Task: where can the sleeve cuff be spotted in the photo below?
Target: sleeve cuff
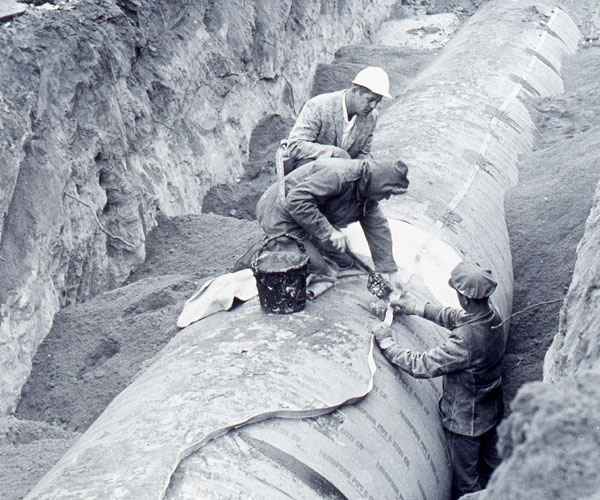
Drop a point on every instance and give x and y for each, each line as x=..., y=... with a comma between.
x=386, y=343
x=420, y=308
x=390, y=267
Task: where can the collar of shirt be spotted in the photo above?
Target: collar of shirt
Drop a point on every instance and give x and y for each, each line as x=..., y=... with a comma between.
x=348, y=124
x=347, y=120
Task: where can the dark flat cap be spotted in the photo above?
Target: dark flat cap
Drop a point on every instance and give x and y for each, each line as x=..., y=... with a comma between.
x=472, y=281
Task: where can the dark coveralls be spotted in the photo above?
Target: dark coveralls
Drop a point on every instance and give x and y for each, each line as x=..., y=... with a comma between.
x=328, y=193
x=472, y=404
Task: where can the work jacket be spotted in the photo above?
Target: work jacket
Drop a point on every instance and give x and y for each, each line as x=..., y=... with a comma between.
x=471, y=363
x=320, y=126
x=324, y=194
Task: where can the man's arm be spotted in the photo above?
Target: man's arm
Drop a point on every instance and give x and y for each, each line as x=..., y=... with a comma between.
x=452, y=356
x=448, y=317
x=379, y=237
x=303, y=136
x=304, y=199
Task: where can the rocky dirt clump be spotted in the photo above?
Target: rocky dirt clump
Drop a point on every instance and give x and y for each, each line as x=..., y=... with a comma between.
x=27, y=448
x=551, y=442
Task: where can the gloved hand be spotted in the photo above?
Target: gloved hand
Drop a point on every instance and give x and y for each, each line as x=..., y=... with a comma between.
x=383, y=336
x=338, y=240
x=408, y=304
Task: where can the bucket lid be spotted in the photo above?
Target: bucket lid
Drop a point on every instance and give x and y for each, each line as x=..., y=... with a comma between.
x=281, y=261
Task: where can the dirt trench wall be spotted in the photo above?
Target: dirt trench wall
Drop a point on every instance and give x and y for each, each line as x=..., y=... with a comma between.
x=551, y=442
x=112, y=111
x=576, y=346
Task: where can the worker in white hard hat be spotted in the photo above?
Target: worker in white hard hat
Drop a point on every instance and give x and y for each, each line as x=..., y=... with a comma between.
x=338, y=124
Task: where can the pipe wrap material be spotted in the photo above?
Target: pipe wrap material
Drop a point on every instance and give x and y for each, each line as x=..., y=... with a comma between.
x=177, y=431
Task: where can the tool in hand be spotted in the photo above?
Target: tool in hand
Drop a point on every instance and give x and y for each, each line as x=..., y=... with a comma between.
x=376, y=283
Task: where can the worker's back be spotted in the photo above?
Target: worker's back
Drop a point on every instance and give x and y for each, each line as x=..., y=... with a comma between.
x=473, y=398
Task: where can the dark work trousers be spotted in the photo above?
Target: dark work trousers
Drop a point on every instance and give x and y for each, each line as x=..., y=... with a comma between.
x=473, y=460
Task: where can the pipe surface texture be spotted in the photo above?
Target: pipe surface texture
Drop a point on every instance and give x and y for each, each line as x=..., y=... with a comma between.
x=176, y=432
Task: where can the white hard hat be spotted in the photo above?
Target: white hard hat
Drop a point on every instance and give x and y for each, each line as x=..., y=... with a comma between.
x=375, y=79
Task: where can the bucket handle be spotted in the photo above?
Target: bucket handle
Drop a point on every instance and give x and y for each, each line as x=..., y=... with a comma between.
x=295, y=239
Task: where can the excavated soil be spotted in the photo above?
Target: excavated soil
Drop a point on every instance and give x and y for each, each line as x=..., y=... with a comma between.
x=546, y=212
x=95, y=349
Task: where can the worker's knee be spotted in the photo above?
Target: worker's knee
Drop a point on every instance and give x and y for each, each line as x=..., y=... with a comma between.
x=318, y=263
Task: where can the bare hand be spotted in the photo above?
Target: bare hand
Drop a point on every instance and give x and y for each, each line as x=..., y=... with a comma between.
x=338, y=240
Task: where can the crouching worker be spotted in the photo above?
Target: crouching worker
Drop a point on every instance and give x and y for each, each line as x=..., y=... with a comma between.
x=326, y=195
x=470, y=360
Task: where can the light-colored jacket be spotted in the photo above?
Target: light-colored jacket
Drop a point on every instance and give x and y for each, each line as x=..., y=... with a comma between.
x=319, y=132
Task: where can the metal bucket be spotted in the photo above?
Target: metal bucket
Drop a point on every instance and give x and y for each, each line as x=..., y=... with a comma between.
x=281, y=277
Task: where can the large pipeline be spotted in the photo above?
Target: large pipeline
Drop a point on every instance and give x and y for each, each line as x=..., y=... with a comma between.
x=176, y=432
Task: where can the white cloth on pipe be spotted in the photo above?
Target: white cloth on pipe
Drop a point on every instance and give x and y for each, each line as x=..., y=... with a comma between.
x=219, y=294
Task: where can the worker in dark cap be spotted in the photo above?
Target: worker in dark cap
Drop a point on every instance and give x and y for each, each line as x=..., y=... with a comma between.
x=326, y=195
x=470, y=360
